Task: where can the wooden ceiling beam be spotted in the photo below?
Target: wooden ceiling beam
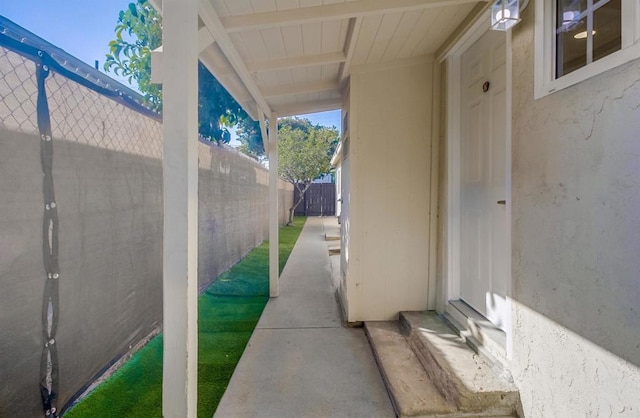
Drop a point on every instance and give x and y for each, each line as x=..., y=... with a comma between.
x=289, y=90
x=295, y=62
x=308, y=107
x=350, y=46
x=215, y=26
x=205, y=39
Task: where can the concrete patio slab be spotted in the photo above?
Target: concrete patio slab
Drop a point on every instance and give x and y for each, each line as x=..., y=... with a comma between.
x=300, y=361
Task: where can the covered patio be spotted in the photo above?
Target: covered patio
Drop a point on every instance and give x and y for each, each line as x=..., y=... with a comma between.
x=277, y=58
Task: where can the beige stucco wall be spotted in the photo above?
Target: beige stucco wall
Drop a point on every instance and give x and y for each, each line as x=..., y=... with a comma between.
x=576, y=241
x=389, y=177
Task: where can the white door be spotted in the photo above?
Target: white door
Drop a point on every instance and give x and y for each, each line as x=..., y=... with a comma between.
x=484, y=250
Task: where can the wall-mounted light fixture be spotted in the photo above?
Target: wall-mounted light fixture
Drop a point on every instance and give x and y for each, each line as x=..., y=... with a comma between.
x=505, y=14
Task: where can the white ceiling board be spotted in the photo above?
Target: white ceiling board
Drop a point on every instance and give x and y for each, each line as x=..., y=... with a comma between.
x=254, y=44
x=274, y=43
x=296, y=58
x=241, y=47
x=287, y=4
x=299, y=75
x=442, y=27
x=267, y=79
x=263, y=6
x=425, y=20
x=293, y=40
x=368, y=32
x=336, y=11
x=312, y=38
x=310, y=3
x=220, y=7
x=406, y=27
x=238, y=7
x=314, y=74
x=330, y=71
x=331, y=32
x=284, y=77
x=383, y=37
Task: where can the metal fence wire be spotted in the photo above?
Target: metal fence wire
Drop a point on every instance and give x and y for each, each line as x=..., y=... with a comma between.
x=81, y=221
x=44, y=98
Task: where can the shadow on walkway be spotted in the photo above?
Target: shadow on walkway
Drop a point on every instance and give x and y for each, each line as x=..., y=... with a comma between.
x=300, y=361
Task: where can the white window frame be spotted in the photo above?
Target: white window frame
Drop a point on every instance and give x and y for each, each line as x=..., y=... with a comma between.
x=545, y=47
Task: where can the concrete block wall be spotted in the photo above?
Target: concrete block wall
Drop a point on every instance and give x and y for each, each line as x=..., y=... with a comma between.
x=107, y=171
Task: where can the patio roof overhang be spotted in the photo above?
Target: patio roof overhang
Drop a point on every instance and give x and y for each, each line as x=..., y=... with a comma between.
x=276, y=58
x=295, y=56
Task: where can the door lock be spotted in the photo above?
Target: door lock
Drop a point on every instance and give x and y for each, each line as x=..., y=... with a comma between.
x=501, y=202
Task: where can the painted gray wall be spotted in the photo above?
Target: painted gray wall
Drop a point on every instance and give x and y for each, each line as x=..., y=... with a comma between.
x=108, y=182
x=576, y=241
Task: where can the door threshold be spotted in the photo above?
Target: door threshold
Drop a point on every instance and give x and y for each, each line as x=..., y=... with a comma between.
x=480, y=334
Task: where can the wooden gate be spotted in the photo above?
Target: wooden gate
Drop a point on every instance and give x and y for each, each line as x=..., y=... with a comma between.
x=319, y=200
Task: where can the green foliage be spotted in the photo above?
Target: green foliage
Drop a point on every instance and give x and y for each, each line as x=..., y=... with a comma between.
x=217, y=110
x=305, y=154
x=304, y=150
x=250, y=137
x=228, y=312
x=138, y=32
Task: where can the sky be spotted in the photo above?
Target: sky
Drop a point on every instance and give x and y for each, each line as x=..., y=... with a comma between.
x=84, y=28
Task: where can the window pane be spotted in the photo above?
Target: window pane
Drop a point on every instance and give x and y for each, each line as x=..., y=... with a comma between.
x=572, y=39
x=571, y=53
x=607, y=23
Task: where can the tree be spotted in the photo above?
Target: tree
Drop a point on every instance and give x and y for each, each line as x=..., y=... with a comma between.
x=138, y=32
x=305, y=154
x=131, y=56
x=250, y=136
x=217, y=110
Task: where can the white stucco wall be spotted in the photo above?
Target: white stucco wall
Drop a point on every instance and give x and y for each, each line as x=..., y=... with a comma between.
x=389, y=193
x=576, y=241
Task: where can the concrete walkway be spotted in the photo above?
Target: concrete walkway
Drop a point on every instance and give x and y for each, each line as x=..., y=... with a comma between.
x=300, y=361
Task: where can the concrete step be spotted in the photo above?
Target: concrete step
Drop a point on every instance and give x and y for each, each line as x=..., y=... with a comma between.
x=462, y=377
x=411, y=391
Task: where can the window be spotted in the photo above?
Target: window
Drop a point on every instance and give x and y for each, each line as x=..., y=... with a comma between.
x=577, y=39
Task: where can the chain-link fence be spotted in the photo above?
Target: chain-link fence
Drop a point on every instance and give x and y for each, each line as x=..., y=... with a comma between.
x=81, y=223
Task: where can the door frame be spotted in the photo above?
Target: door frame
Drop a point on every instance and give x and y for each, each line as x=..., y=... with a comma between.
x=452, y=262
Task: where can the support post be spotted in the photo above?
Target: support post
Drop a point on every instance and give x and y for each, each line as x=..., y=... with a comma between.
x=274, y=269
x=180, y=172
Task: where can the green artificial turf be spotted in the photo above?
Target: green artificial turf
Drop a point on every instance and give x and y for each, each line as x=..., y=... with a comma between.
x=228, y=311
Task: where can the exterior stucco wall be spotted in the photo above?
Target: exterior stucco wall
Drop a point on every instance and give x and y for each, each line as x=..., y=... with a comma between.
x=389, y=177
x=575, y=241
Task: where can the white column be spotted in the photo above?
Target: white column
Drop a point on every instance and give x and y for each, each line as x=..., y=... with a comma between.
x=274, y=289
x=180, y=171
